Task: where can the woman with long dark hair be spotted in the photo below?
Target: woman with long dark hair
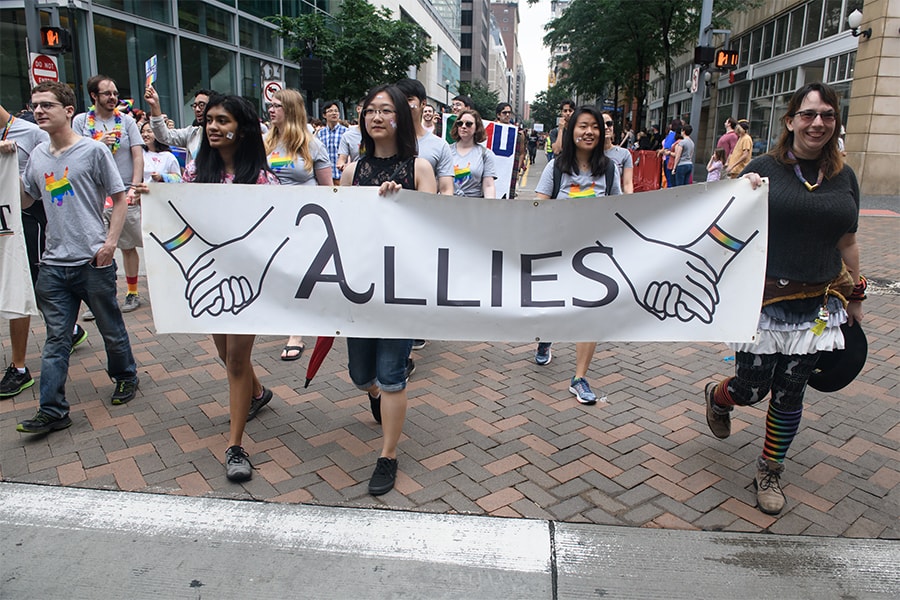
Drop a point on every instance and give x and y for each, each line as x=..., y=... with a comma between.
x=813, y=285
x=159, y=162
x=232, y=151
x=473, y=164
x=296, y=157
x=379, y=366
x=580, y=170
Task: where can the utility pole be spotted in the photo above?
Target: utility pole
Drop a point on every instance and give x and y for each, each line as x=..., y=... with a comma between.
x=705, y=40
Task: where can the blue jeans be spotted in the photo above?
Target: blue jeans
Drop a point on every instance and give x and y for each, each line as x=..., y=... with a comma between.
x=683, y=174
x=59, y=292
x=378, y=361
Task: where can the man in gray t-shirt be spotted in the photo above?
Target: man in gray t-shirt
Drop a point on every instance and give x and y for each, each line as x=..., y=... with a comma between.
x=72, y=176
x=106, y=122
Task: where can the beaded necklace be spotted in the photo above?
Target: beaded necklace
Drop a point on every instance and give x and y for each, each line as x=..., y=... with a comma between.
x=811, y=187
x=117, y=128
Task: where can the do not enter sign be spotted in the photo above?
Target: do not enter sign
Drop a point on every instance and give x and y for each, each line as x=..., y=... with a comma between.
x=43, y=68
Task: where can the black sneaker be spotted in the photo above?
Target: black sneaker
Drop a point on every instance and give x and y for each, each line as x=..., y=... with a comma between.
x=43, y=423
x=410, y=369
x=419, y=344
x=257, y=403
x=375, y=405
x=237, y=464
x=125, y=391
x=384, y=476
x=78, y=337
x=14, y=382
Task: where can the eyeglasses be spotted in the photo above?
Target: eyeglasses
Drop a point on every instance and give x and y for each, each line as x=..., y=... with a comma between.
x=116, y=94
x=505, y=112
x=384, y=112
x=45, y=106
x=810, y=115
x=609, y=123
x=198, y=104
x=271, y=105
x=465, y=123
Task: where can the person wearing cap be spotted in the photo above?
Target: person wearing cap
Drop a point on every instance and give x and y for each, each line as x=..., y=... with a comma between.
x=813, y=287
x=743, y=150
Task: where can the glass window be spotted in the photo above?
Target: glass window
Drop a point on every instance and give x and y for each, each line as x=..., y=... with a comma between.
x=767, y=38
x=258, y=37
x=832, y=18
x=760, y=116
x=851, y=6
x=813, y=22
x=251, y=81
x=205, y=66
x=158, y=11
x=755, y=42
x=742, y=45
x=781, y=27
x=14, y=88
x=126, y=47
x=261, y=8
x=795, y=37
x=466, y=17
x=205, y=19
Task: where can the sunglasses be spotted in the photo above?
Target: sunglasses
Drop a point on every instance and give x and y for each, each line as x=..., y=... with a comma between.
x=465, y=123
x=608, y=123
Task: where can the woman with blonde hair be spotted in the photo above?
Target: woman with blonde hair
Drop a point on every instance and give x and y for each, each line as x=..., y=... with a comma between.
x=297, y=158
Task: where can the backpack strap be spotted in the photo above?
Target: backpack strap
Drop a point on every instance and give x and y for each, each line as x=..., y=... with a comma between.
x=610, y=176
x=557, y=179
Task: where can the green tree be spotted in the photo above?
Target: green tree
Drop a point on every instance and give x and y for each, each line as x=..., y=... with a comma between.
x=361, y=47
x=545, y=108
x=484, y=98
x=613, y=43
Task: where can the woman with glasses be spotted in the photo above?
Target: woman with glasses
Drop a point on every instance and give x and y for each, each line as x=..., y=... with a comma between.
x=619, y=155
x=473, y=164
x=581, y=170
x=813, y=284
x=232, y=151
x=297, y=158
x=379, y=365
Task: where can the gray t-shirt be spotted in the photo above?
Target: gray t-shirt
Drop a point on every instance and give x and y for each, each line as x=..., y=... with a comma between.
x=437, y=152
x=73, y=187
x=621, y=157
x=129, y=138
x=582, y=185
x=293, y=171
x=350, y=142
x=27, y=136
x=470, y=169
x=687, y=151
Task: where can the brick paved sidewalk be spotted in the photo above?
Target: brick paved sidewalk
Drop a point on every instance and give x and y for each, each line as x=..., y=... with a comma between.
x=488, y=431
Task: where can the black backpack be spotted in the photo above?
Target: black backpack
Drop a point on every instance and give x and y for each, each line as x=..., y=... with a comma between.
x=557, y=177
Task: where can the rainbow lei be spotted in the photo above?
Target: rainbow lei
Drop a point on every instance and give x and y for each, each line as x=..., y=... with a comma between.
x=117, y=128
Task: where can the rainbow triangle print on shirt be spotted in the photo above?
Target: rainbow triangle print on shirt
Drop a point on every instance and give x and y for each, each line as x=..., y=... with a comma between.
x=575, y=191
x=278, y=162
x=58, y=188
x=461, y=174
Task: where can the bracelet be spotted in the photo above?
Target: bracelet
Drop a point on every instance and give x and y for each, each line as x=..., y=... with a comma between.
x=859, y=290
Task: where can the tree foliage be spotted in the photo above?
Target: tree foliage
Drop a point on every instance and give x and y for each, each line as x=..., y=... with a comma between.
x=484, y=98
x=545, y=108
x=611, y=43
x=361, y=47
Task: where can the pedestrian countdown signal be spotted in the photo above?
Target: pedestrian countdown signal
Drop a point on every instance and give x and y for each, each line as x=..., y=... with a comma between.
x=54, y=38
x=726, y=60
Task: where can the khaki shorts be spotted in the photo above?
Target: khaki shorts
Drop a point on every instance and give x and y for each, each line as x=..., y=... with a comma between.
x=131, y=232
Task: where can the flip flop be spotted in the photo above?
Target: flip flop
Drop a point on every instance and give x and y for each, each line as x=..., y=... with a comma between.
x=285, y=352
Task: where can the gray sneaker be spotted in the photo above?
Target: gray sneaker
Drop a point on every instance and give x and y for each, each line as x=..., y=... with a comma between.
x=237, y=464
x=87, y=315
x=132, y=302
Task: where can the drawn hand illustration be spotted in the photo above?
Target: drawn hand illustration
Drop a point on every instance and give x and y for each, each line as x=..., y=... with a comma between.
x=221, y=277
x=691, y=290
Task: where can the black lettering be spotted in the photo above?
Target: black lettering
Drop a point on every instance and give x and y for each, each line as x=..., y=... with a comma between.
x=528, y=278
x=327, y=252
x=390, y=281
x=497, y=278
x=612, y=288
x=5, y=208
x=444, y=282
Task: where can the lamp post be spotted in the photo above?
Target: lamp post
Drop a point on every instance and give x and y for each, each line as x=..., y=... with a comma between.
x=447, y=92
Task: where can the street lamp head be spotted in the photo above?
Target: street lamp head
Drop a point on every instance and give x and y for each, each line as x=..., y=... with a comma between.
x=854, y=20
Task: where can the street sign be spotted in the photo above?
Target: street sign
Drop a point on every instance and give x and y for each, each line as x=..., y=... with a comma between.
x=270, y=88
x=43, y=68
x=695, y=80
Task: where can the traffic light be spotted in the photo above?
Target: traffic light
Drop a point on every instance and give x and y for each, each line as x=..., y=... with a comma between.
x=726, y=60
x=54, y=39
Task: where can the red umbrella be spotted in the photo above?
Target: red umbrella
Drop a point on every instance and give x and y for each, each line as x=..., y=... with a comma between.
x=323, y=345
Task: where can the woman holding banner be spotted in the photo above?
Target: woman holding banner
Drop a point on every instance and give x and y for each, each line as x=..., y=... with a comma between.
x=473, y=164
x=580, y=170
x=232, y=151
x=297, y=158
x=813, y=285
x=379, y=366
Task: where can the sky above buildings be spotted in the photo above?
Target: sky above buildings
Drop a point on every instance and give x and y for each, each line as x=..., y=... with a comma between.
x=535, y=57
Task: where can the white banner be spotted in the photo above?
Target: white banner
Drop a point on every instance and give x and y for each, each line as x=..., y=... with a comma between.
x=685, y=264
x=16, y=291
